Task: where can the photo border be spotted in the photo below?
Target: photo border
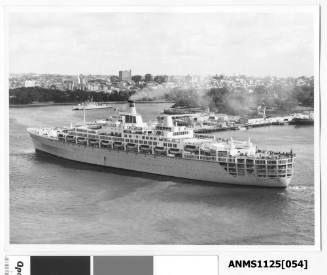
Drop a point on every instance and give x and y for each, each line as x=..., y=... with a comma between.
x=27, y=249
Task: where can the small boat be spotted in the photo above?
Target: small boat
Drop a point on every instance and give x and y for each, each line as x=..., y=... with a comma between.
x=95, y=126
x=302, y=121
x=81, y=140
x=160, y=149
x=61, y=137
x=190, y=148
x=105, y=143
x=131, y=146
x=118, y=145
x=93, y=141
x=174, y=151
x=70, y=138
x=145, y=148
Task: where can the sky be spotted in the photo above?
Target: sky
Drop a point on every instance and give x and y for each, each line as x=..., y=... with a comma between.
x=257, y=44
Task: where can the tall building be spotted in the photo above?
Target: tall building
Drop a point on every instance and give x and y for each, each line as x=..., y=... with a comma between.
x=125, y=75
x=81, y=82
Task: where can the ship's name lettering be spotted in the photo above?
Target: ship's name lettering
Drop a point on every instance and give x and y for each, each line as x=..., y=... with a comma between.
x=18, y=267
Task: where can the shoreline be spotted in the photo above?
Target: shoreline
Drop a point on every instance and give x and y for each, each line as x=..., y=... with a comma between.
x=48, y=104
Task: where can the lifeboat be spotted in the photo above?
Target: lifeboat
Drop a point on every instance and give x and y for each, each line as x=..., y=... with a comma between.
x=159, y=149
x=118, y=145
x=81, y=140
x=131, y=146
x=174, y=151
x=93, y=141
x=190, y=148
x=105, y=143
x=61, y=137
x=70, y=138
x=95, y=126
x=145, y=148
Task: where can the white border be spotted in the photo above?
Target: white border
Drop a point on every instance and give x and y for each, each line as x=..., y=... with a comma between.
x=45, y=249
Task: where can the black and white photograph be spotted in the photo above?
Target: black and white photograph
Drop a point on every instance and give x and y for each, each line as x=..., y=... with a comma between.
x=163, y=126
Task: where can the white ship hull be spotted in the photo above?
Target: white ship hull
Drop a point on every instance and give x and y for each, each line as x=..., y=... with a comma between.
x=155, y=164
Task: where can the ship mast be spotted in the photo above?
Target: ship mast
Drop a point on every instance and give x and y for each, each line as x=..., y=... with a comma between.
x=84, y=116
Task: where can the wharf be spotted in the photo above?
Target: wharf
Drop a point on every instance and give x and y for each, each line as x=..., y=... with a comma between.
x=250, y=124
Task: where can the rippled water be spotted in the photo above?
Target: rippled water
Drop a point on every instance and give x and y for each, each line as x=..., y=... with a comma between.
x=63, y=202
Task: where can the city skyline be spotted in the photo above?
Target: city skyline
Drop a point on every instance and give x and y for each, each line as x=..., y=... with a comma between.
x=263, y=44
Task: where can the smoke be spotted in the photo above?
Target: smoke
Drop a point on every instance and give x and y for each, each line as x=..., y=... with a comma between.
x=223, y=100
x=187, y=97
x=148, y=94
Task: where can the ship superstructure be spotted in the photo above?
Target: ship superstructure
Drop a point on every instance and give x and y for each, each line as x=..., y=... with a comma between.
x=167, y=149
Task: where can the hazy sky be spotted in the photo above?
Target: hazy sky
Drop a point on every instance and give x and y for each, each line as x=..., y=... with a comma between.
x=162, y=43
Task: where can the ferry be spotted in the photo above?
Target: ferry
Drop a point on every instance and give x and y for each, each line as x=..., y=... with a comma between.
x=163, y=148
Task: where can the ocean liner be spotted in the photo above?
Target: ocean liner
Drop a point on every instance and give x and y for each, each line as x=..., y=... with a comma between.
x=164, y=148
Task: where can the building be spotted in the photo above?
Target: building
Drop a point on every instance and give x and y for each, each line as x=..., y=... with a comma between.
x=97, y=85
x=81, y=82
x=69, y=85
x=125, y=75
x=29, y=83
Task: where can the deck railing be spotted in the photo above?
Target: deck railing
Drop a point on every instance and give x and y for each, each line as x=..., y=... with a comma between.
x=241, y=163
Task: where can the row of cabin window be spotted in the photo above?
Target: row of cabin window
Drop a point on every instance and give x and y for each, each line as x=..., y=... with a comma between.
x=150, y=143
x=180, y=133
x=144, y=137
x=147, y=138
x=164, y=128
x=83, y=130
x=141, y=141
x=170, y=145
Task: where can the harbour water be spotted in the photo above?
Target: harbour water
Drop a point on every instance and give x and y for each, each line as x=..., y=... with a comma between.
x=57, y=201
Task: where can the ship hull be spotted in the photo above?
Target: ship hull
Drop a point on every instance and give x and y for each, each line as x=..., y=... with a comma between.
x=299, y=121
x=154, y=164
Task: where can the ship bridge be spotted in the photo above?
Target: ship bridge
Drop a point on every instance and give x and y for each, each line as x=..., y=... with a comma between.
x=166, y=126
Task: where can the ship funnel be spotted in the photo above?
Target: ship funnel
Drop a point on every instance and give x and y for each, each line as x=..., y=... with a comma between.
x=168, y=121
x=132, y=108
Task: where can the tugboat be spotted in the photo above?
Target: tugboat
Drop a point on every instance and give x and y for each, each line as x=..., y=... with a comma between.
x=303, y=119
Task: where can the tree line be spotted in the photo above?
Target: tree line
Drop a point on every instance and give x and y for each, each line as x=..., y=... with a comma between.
x=222, y=100
x=37, y=94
